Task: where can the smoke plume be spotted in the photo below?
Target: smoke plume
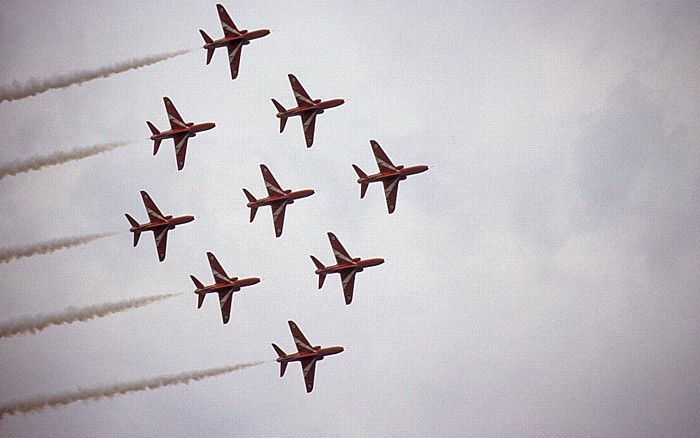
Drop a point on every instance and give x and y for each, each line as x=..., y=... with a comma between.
x=35, y=86
x=9, y=254
x=52, y=401
x=39, y=161
x=35, y=324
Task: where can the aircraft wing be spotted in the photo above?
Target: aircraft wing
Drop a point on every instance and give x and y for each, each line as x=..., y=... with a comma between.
x=341, y=256
x=180, y=149
x=174, y=117
x=300, y=94
x=225, y=300
x=383, y=162
x=308, y=366
x=234, y=58
x=303, y=346
x=391, y=189
x=308, y=123
x=271, y=184
x=278, y=209
x=227, y=24
x=348, y=280
x=161, y=236
x=217, y=271
x=154, y=215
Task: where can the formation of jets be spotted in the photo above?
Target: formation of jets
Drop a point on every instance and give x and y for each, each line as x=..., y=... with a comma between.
x=278, y=198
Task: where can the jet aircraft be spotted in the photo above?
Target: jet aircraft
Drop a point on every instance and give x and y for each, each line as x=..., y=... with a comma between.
x=389, y=175
x=307, y=108
x=159, y=224
x=233, y=40
x=277, y=199
x=180, y=132
x=346, y=266
x=224, y=285
x=306, y=354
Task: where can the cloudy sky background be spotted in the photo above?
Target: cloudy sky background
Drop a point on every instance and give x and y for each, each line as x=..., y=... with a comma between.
x=541, y=279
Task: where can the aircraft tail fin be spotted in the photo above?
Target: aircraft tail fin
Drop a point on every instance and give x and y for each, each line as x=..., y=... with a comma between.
x=321, y=277
x=280, y=353
x=137, y=234
x=198, y=284
x=280, y=109
x=251, y=198
x=207, y=40
x=156, y=142
x=363, y=186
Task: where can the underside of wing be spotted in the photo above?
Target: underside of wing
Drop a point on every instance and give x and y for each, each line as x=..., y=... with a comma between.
x=278, y=209
x=176, y=121
x=301, y=96
x=161, y=236
x=225, y=300
x=341, y=256
x=217, y=271
x=383, y=162
x=227, y=24
x=308, y=366
x=180, y=150
x=271, y=184
x=234, y=58
x=347, y=278
x=303, y=345
x=308, y=123
x=154, y=215
x=391, y=189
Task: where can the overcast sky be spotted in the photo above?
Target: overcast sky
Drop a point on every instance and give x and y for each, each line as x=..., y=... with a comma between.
x=541, y=279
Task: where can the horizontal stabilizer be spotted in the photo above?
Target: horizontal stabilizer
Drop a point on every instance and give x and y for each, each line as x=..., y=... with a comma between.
x=280, y=108
x=201, y=300
x=280, y=352
x=207, y=38
x=318, y=264
x=132, y=221
x=153, y=129
x=359, y=172
x=249, y=195
x=198, y=284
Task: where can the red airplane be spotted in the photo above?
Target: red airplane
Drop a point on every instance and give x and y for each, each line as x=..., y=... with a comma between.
x=389, y=175
x=180, y=132
x=306, y=354
x=347, y=267
x=277, y=199
x=307, y=108
x=233, y=40
x=224, y=286
x=159, y=224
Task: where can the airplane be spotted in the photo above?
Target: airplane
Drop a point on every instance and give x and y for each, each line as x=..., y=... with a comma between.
x=180, y=132
x=307, y=108
x=159, y=224
x=224, y=285
x=389, y=175
x=233, y=40
x=277, y=199
x=346, y=266
x=306, y=354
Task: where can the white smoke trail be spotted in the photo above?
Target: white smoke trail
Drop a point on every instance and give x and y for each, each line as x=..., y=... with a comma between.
x=9, y=254
x=35, y=324
x=39, y=161
x=52, y=401
x=35, y=86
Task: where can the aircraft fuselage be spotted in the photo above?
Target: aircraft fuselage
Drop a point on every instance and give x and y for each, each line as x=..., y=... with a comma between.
x=357, y=265
x=245, y=37
x=319, y=354
x=170, y=222
x=190, y=131
x=402, y=173
x=289, y=197
x=319, y=106
x=236, y=284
